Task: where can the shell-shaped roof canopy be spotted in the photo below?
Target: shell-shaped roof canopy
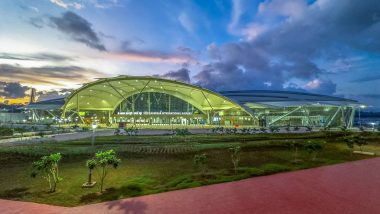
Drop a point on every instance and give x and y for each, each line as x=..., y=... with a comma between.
x=106, y=94
x=268, y=98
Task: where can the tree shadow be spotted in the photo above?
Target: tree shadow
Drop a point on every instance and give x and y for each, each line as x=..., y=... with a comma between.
x=113, y=194
x=15, y=193
x=132, y=206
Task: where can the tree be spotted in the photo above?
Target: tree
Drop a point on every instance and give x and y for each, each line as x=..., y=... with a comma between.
x=201, y=162
x=360, y=141
x=182, y=132
x=295, y=145
x=344, y=129
x=48, y=166
x=350, y=143
x=287, y=128
x=104, y=160
x=274, y=129
x=91, y=164
x=312, y=147
x=263, y=130
x=235, y=156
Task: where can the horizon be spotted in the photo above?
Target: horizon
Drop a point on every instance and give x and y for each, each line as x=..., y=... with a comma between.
x=319, y=47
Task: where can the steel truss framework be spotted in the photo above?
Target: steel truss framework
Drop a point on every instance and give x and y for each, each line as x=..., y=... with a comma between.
x=106, y=95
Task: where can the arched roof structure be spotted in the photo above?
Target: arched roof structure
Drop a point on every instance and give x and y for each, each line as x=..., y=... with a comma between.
x=280, y=99
x=106, y=94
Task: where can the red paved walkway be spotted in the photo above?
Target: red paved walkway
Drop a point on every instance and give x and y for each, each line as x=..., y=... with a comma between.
x=345, y=188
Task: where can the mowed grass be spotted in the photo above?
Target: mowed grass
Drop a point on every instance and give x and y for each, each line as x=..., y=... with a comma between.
x=152, y=164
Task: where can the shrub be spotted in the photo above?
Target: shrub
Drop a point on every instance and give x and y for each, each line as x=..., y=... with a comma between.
x=182, y=132
x=295, y=145
x=48, y=166
x=235, y=156
x=360, y=141
x=5, y=131
x=350, y=143
x=312, y=147
x=201, y=162
x=103, y=160
x=131, y=131
x=274, y=129
x=91, y=164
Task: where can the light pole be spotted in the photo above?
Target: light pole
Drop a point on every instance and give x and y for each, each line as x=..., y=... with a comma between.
x=94, y=125
x=360, y=121
x=373, y=126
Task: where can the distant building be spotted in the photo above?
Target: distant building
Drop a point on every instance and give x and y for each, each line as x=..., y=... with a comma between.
x=144, y=100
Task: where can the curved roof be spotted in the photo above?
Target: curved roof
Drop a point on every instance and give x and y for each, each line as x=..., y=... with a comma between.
x=50, y=104
x=268, y=98
x=108, y=93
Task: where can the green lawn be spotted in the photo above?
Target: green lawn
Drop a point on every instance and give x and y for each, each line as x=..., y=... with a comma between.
x=152, y=164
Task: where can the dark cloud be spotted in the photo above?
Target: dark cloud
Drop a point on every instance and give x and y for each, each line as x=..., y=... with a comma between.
x=289, y=49
x=372, y=96
x=37, y=22
x=12, y=89
x=180, y=75
x=367, y=79
x=53, y=94
x=79, y=29
x=46, y=74
x=36, y=57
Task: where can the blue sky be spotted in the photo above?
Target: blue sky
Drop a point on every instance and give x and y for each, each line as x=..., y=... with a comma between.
x=322, y=46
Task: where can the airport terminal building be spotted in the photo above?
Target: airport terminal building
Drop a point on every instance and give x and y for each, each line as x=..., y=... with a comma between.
x=145, y=100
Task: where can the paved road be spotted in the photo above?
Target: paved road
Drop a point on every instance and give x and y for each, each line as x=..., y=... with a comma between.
x=344, y=188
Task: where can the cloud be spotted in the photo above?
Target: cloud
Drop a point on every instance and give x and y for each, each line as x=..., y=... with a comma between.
x=237, y=11
x=43, y=56
x=53, y=94
x=285, y=8
x=12, y=89
x=321, y=87
x=47, y=75
x=186, y=22
x=180, y=75
x=367, y=79
x=126, y=52
x=105, y=4
x=37, y=22
x=65, y=5
x=289, y=49
x=79, y=29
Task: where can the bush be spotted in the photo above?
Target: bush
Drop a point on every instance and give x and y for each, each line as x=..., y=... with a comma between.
x=5, y=131
x=48, y=167
x=182, y=132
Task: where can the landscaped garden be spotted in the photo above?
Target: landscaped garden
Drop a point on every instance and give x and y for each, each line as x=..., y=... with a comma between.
x=64, y=173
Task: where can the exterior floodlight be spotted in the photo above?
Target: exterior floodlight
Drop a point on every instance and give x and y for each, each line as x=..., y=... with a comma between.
x=373, y=126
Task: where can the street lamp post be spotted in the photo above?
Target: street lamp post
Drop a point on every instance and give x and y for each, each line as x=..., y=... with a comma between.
x=373, y=126
x=360, y=121
x=94, y=126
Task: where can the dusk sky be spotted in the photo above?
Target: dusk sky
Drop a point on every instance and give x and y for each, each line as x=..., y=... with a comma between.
x=329, y=47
